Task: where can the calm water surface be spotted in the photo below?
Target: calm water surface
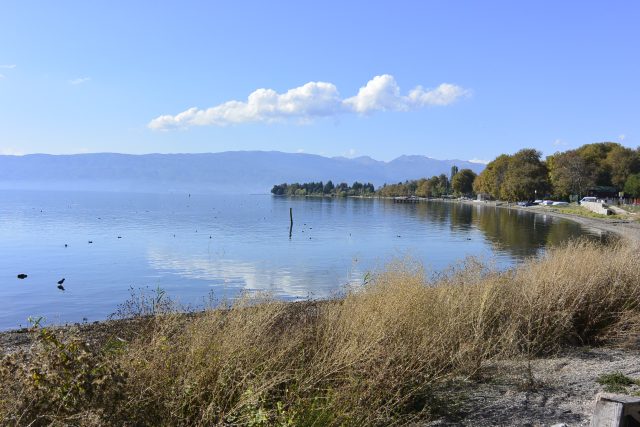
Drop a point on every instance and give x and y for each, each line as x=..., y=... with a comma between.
x=200, y=245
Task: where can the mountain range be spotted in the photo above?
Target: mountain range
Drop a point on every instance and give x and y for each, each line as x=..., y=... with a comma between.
x=231, y=171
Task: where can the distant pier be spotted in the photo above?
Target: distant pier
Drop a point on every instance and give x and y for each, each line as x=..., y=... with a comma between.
x=409, y=199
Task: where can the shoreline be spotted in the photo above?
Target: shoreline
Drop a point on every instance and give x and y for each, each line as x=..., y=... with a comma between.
x=627, y=229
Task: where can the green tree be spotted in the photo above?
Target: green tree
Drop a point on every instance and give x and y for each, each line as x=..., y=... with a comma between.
x=424, y=188
x=462, y=182
x=328, y=187
x=622, y=162
x=570, y=174
x=594, y=155
x=492, y=177
x=369, y=188
x=632, y=186
x=454, y=171
x=356, y=188
x=526, y=175
x=279, y=190
x=443, y=184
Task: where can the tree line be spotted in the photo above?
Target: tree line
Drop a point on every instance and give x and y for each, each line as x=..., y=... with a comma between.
x=459, y=183
x=319, y=189
x=525, y=175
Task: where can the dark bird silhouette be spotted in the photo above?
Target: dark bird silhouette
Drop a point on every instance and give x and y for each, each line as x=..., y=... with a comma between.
x=61, y=287
x=90, y=241
x=65, y=245
x=22, y=276
x=119, y=237
x=61, y=281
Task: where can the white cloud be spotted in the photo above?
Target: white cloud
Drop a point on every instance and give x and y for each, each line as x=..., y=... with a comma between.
x=8, y=66
x=381, y=93
x=622, y=137
x=444, y=94
x=483, y=162
x=79, y=80
x=559, y=143
x=310, y=101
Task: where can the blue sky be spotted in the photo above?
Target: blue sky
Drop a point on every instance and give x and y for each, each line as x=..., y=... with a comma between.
x=455, y=79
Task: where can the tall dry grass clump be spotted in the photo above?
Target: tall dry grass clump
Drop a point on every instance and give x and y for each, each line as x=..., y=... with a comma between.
x=376, y=356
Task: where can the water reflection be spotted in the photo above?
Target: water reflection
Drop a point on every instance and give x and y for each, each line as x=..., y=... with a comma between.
x=427, y=227
x=226, y=244
x=229, y=276
x=519, y=233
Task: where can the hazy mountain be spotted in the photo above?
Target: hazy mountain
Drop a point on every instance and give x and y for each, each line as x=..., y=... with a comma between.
x=232, y=171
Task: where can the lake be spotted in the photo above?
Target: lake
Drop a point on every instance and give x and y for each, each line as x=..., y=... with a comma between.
x=197, y=246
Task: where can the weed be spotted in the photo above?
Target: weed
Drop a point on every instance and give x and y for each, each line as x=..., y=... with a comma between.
x=64, y=378
x=615, y=382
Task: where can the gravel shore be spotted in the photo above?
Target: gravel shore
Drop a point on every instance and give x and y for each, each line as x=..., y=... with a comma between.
x=560, y=389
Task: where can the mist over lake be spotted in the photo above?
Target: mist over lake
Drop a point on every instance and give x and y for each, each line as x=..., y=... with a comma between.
x=197, y=246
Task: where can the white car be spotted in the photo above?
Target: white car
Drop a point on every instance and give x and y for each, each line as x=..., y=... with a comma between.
x=547, y=202
x=588, y=199
x=560, y=204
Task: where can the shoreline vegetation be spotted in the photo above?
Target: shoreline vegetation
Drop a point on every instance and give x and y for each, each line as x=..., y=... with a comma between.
x=396, y=349
x=604, y=169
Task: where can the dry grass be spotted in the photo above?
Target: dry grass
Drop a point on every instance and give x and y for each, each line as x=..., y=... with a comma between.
x=377, y=356
x=582, y=211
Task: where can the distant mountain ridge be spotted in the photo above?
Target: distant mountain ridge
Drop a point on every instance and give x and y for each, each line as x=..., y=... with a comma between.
x=230, y=171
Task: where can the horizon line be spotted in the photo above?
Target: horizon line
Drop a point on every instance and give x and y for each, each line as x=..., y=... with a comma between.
x=474, y=161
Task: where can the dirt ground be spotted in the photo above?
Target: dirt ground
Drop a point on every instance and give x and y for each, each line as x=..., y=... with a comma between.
x=560, y=390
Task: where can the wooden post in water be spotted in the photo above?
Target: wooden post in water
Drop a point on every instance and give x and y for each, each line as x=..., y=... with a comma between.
x=290, y=221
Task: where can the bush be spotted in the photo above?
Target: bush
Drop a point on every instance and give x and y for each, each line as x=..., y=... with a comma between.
x=63, y=381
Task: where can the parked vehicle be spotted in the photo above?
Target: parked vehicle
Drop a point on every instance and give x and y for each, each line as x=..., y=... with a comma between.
x=547, y=202
x=588, y=199
x=560, y=204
